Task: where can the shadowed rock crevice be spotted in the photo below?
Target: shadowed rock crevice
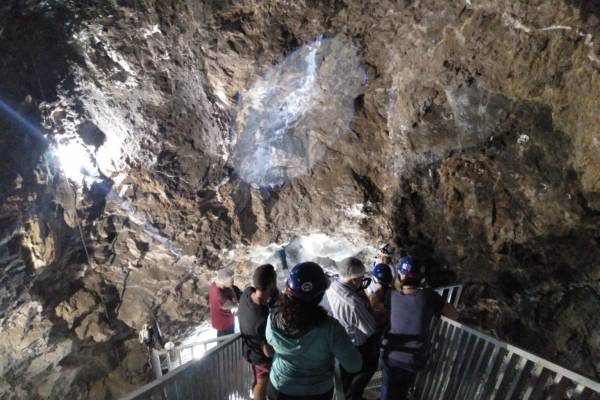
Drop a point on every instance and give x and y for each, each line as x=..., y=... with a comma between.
x=528, y=249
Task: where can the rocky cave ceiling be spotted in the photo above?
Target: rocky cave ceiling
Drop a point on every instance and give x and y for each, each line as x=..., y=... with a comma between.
x=174, y=137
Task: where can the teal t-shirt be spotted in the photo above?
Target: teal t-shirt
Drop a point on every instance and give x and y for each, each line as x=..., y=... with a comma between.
x=305, y=365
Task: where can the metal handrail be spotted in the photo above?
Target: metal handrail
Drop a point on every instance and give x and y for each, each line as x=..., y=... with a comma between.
x=450, y=293
x=468, y=364
x=464, y=364
x=202, y=342
x=173, y=358
x=177, y=356
x=220, y=374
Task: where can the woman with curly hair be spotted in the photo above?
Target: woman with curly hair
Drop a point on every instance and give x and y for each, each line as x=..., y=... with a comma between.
x=306, y=340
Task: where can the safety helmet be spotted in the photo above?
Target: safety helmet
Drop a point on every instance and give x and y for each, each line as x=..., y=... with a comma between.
x=407, y=266
x=382, y=274
x=307, y=281
x=385, y=250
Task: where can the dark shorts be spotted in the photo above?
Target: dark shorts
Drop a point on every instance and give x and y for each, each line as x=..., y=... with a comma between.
x=228, y=331
x=261, y=371
x=274, y=394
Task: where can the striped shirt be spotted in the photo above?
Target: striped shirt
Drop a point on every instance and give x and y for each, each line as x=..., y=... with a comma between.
x=352, y=310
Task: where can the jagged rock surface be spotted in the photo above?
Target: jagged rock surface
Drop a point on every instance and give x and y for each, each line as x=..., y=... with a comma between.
x=474, y=145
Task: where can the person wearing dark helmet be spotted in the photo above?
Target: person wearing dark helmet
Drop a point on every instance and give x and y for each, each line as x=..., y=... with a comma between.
x=384, y=256
x=382, y=281
x=405, y=346
x=306, y=340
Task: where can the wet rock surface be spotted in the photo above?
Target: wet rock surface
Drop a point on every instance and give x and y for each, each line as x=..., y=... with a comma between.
x=472, y=143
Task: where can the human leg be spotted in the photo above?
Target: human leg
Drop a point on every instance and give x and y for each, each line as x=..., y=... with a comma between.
x=347, y=382
x=396, y=383
x=355, y=384
x=406, y=380
x=388, y=388
x=370, y=357
x=261, y=379
x=271, y=392
x=259, y=392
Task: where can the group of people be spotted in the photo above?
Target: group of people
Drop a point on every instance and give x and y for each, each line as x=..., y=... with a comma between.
x=363, y=320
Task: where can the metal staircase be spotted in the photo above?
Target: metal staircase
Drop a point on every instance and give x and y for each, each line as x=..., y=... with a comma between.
x=464, y=364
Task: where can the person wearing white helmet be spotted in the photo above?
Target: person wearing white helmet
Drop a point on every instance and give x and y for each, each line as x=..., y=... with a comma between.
x=347, y=302
x=384, y=254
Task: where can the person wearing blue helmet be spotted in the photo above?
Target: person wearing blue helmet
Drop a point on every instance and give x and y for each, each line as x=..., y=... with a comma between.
x=382, y=275
x=405, y=346
x=384, y=256
x=306, y=340
x=408, y=269
x=383, y=280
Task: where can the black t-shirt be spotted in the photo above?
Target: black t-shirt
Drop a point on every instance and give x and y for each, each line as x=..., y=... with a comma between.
x=253, y=322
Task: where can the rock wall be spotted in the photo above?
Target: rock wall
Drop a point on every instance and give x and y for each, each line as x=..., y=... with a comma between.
x=473, y=144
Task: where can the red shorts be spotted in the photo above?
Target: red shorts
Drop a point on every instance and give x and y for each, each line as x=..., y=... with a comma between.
x=261, y=371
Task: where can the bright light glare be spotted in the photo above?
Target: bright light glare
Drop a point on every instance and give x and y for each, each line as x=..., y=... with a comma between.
x=75, y=161
x=312, y=246
x=202, y=333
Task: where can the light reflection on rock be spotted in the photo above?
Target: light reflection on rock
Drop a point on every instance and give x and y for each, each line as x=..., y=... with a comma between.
x=290, y=116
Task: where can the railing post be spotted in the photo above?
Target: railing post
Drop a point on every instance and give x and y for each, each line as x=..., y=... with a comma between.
x=155, y=361
x=169, y=363
x=460, y=289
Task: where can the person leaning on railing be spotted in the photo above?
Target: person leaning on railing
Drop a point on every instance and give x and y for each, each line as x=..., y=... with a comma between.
x=405, y=345
x=223, y=299
x=306, y=340
x=252, y=314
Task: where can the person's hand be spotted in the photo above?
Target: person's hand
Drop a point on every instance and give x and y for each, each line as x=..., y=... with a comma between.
x=237, y=291
x=268, y=350
x=450, y=311
x=234, y=310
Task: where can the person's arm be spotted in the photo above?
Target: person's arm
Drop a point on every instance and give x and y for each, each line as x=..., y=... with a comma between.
x=237, y=292
x=373, y=299
x=265, y=347
x=228, y=305
x=228, y=302
x=268, y=350
x=343, y=349
x=376, y=298
x=443, y=307
x=325, y=304
x=364, y=318
x=269, y=333
x=448, y=310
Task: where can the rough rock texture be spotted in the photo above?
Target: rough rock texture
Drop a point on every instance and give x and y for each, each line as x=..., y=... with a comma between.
x=474, y=144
